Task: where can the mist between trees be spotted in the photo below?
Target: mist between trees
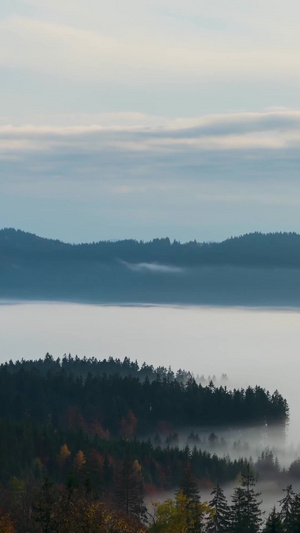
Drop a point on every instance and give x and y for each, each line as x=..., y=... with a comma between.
x=97, y=439
x=32, y=506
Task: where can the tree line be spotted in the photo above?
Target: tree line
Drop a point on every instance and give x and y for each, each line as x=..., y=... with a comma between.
x=29, y=506
x=254, y=269
x=86, y=396
x=253, y=249
x=107, y=409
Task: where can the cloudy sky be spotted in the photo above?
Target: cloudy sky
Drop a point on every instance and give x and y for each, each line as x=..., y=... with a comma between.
x=149, y=118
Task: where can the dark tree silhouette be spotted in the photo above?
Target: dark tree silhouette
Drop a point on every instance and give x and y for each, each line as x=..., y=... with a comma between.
x=220, y=520
x=189, y=488
x=286, y=511
x=246, y=516
x=273, y=523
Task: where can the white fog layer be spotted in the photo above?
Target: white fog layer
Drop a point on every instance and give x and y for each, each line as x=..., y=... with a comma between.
x=253, y=347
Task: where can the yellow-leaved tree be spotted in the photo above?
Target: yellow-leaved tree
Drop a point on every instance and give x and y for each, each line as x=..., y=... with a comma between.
x=179, y=515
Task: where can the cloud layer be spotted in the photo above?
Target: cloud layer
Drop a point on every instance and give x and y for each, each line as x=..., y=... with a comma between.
x=141, y=176
x=110, y=42
x=91, y=140
x=156, y=57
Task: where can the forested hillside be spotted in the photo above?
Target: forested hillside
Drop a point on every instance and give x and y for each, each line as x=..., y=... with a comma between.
x=254, y=269
x=113, y=407
x=254, y=249
x=87, y=444
x=116, y=398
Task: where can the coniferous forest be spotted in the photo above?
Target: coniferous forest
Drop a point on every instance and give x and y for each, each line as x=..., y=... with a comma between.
x=253, y=269
x=95, y=446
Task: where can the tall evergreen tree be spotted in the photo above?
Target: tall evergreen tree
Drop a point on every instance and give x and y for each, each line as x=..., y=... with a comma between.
x=286, y=511
x=220, y=520
x=190, y=491
x=246, y=516
x=273, y=523
x=294, y=521
x=189, y=485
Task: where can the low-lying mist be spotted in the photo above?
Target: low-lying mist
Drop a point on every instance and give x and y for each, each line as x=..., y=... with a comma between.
x=250, y=346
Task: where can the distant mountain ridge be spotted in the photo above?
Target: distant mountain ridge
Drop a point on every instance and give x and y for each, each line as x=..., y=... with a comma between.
x=252, y=249
x=253, y=269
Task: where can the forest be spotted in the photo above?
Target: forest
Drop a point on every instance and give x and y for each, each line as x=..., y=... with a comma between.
x=29, y=506
x=92, y=445
x=253, y=269
x=253, y=249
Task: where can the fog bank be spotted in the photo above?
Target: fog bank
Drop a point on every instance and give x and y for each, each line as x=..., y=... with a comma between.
x=252, y=346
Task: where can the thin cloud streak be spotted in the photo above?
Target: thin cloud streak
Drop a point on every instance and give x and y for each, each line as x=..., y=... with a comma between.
x=243, y=131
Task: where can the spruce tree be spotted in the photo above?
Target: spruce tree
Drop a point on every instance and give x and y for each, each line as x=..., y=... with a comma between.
x=190, y=490
x=189, y=486
x=286, y=511
x=220, y=520
x=294, y=521
x=246, y=516
x=273, y=523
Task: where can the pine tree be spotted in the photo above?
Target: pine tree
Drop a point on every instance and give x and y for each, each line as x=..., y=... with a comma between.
x=286, y=511
x=246, y=516
x=220, y=520
x=273, y=523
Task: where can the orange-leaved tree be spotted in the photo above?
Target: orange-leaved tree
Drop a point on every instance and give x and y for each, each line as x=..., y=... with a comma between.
x=6, y=524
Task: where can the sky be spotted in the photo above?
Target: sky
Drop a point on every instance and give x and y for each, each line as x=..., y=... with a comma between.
x=144, y=119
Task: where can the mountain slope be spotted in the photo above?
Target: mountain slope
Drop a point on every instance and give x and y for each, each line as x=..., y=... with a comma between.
x=254, y=269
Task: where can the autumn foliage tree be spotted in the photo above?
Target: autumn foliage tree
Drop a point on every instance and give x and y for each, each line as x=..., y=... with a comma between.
x=77, y=512
x=63, y=456
x=129, y=489
x=179, y=515
x=6, y=524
